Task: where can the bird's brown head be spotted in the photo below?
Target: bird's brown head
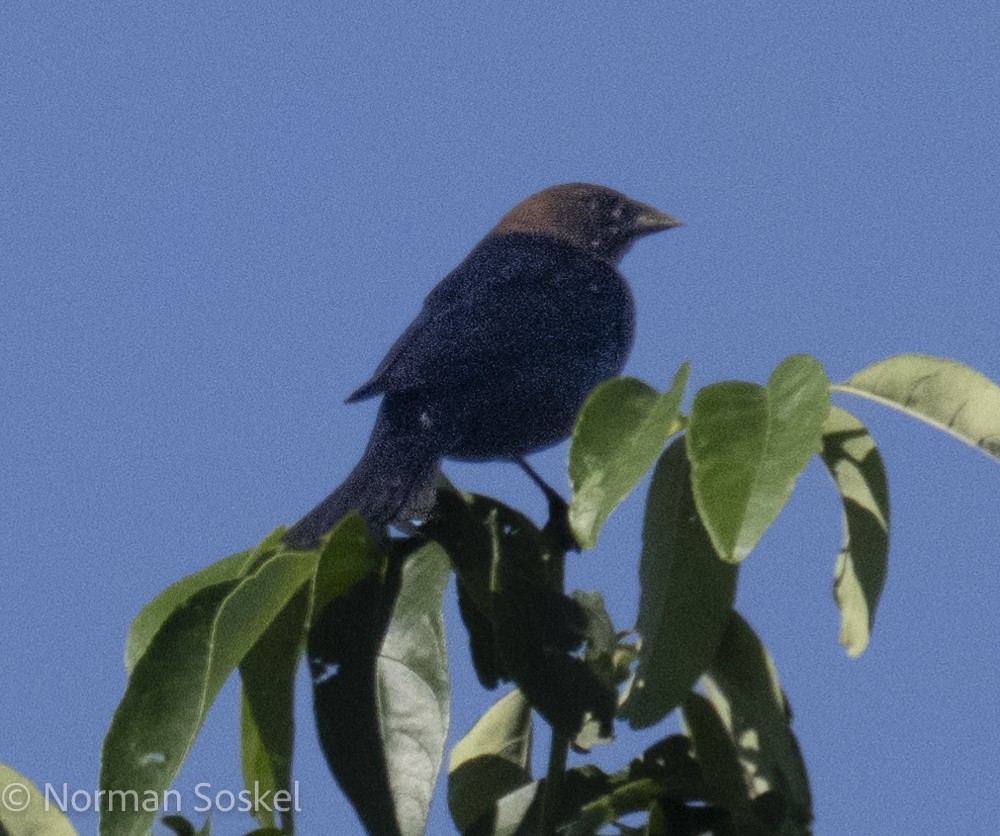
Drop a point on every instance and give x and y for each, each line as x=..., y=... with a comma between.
x=597, y=219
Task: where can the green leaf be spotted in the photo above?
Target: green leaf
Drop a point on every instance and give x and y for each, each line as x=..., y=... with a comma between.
x=747, y=445
x=175, y=680
x=511, y=583
x=516, y=812
x=348, y=554
x=618, y=433
x=152, y=616
x=944, y=393
x=412, y=686
x=343, y=646
x=260, y=761
x=604, y=658
x=25, y=811
x=182, y=827
x=742, y=686
x=630, y=797
x=380, y=686
x=602, y=641
x=715, y=752
x=492, y=760
x=461, y=523
x=266, y=710
x=859, y=475
x=656, y=824
x=665, y=771
x=685, y=599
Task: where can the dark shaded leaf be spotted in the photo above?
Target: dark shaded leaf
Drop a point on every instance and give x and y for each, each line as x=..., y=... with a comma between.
x=671, y=764
x=482, y=640
x=266, y=707
x=511, y=577
x=742, y=686
x=537, y=630
x=716, y=753
x=343, y=646
x=686, y=595
x=602, y=641
x=516, y=814
x=180, y=825
x=380, y=687
x=353, y=595
x=603, y=656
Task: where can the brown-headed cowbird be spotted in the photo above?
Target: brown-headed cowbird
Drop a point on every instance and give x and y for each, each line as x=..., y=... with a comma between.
x=503, y=353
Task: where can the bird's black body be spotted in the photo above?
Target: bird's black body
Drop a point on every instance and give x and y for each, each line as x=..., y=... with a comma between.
x=496, y=365
x=507, y=346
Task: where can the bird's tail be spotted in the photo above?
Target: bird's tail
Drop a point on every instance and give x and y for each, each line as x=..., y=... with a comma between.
x=391, y=483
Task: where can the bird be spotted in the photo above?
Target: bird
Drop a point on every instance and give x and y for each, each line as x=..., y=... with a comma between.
x=502, y=354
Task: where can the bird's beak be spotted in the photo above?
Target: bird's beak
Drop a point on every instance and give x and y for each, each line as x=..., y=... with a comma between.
x=651, y=219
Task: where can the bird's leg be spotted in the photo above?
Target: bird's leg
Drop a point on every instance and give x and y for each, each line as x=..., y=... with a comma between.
x=556, y=502
x=558, y=523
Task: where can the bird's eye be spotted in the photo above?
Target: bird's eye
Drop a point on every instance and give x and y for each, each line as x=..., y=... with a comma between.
x=617, y=212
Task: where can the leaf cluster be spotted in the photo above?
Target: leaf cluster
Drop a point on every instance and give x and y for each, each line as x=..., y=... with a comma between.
x=366, y=614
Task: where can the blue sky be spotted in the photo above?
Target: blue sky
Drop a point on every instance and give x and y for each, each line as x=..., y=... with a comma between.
x=214, y=221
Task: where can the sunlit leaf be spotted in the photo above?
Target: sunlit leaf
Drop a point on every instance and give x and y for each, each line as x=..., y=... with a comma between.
x=412, y=686
x=859, y=475
x=944, y=393
x=618, y=434
x=686, y=595
x=152, y=616
x=26, y=811
x=516, y=812
x=492, y=760
x=747, y=445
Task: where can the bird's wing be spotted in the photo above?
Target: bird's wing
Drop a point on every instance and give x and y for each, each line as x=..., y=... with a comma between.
x=512, y=297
